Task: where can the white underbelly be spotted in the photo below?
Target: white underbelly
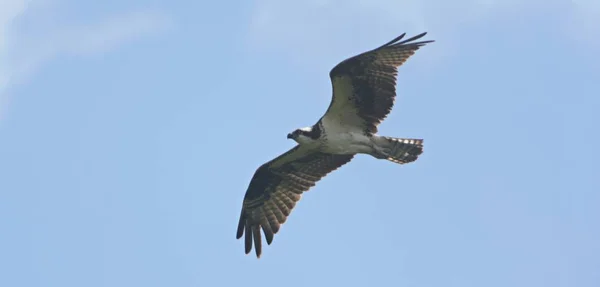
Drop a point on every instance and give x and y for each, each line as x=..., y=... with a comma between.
x=347, y=143
x=344, y=139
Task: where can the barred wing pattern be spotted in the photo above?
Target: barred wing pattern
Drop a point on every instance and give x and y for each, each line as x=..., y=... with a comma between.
x=276, y=187
x=364, y=86
x=364, y=90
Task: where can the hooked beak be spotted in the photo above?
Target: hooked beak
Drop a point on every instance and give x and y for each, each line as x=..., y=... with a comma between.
x=289, y=136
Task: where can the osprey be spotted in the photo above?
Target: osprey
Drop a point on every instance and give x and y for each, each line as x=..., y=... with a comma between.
x=364, y=89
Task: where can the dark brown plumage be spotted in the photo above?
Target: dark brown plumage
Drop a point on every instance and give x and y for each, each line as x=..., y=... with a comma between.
x=372, y=76
x=364, y=89
x=276, y=187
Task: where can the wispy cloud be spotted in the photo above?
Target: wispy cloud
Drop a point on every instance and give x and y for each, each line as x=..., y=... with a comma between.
x=28, y=39
x=295, y=26
x=9, y=12
x=585, y=21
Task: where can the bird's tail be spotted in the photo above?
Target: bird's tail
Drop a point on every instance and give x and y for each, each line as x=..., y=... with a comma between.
x=399, y=150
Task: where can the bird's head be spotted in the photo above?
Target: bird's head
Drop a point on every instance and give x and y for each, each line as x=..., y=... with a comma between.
x=301, y=135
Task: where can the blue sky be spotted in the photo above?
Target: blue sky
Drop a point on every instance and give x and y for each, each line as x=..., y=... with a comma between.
x=129, y=131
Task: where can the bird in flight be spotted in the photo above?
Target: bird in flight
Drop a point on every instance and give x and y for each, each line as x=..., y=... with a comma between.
x=364, y=90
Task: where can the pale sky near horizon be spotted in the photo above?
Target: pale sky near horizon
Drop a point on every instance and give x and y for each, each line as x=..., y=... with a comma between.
x=129, y=131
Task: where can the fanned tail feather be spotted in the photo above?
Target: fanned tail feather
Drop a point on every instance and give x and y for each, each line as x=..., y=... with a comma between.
x=402, y=150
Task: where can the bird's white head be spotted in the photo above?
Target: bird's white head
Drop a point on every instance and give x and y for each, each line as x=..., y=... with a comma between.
x=304, y=135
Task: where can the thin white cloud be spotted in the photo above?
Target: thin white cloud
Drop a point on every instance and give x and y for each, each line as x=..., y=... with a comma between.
x=585, y=21
x=295, y=26
x=8, y=13
x=29, y=37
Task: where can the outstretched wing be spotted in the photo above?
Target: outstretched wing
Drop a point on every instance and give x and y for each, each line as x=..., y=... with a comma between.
x=276, y=187
x=364, y=86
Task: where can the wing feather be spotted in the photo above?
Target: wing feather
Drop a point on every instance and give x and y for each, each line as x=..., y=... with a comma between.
x=275, y=189
x=364, y=86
